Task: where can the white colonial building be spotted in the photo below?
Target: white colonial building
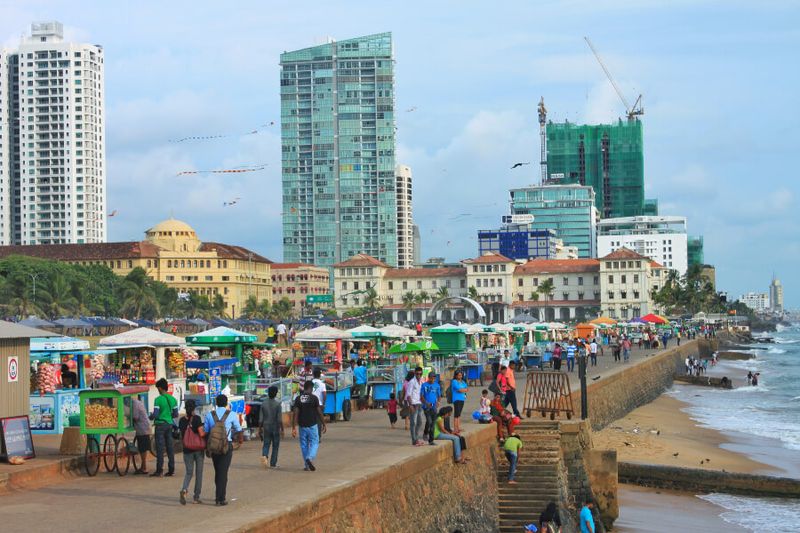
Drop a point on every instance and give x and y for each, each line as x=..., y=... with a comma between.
x=627, y=280
x=575, y=283
x=661, y=238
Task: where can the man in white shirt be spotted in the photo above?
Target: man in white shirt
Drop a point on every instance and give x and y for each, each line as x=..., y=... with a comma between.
x=505, y=359
x=320, y=392
x=414, y=403
x=593, y=352
x=281, y=334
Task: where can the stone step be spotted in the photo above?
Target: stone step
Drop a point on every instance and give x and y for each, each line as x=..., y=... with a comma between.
x=523, y=489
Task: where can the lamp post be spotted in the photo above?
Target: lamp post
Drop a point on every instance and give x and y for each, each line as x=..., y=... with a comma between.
x=33, y=277
x=582, y=377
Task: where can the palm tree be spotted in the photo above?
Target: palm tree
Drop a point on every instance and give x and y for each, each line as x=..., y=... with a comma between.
x=442, y=293
x=473, y=293
x=218, y=306
x=281, y=309
x=422, y=297
x=138, y=299
x=57, y=298
x=251, y=307
x=409, y=300
x=371, y=298
x=546, y=289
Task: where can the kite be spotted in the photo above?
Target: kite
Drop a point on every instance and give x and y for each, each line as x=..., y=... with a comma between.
x=519, y=165
x=112, y=213
x=219, y=136
x=223, y=170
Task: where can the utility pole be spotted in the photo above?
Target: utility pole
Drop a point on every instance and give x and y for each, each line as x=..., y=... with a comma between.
x=33, y=277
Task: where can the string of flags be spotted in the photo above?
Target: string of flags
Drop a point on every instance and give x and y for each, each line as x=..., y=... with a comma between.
x=222, y=170
x=222, y=135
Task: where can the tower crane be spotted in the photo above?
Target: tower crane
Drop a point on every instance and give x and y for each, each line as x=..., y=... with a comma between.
x=631, y=112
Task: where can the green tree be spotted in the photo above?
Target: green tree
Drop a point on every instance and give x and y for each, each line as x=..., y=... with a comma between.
x=138, y=298
x=282, y=309
x=57, y=297
x=218, y=306
x=251, y=308
x=442, y=293
x=473, y=294
x=371, y=299
x=422, y=297
x=546, y=289
x=409, y=300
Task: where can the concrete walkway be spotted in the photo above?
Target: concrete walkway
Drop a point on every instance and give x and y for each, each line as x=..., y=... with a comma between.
x=349, y=451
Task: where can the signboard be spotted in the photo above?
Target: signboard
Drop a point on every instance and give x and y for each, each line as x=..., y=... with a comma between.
x=13, y=368
x=43, y=413
x=15, y=434
x=525, y=218
x=319, y=298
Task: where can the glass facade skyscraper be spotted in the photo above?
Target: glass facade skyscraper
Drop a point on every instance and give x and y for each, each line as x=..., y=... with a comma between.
x=338, y=151
x=568, y=209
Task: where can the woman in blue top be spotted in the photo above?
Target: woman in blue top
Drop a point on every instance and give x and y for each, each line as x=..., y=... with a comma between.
x=458, y=386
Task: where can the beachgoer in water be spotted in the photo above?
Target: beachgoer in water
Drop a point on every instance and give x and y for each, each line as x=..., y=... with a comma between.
x=755, y=379
x=750, y=378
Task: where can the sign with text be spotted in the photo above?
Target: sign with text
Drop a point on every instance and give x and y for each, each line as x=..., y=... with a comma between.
x=16, y=438
x=319, y=299
x=13, y=369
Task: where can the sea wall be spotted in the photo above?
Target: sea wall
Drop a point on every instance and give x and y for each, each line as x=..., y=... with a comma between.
x=697, y=480
x=426, y=493
x=616, y=395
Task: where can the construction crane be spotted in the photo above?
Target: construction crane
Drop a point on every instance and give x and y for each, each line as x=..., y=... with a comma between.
x=542, y=133
x=631, y=112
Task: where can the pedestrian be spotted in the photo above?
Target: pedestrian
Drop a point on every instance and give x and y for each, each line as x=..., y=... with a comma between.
x=586, y=519
x=549, y=520
x=626, y=349
x=458, y=386
x=271, y=427
x=391, y=410
x=306, y=374
x=360, y=378
x=484, y=410
x=503, y=419
x=440, y=432
x=679, y=337
x=556, y=359
x=221, y=425
x=414, y=403
x=510, y=397
x=593, y=352
x=506, y=359
x=616, y=349
x=271, y=334
x=419, y=329
x=194, y=445
x=141, y=423
x=281, y=334
x=430, y=392
x=511, y=447
x=320, y=392
x=404, y=409
x=164, y=413
x=571, y=350
x=307, y=412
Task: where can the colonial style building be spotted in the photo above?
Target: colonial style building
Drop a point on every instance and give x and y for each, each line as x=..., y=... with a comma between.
x=575, y=289
x=172, y=253
x=295, y=281
x=627, y=279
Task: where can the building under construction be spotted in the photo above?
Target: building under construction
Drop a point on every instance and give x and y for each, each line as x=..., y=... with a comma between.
x=607, y=157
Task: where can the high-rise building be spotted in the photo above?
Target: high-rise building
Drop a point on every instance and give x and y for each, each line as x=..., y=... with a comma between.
x=338, y=143
x=568, y=209
x=405, y=218
x=52, y=141
x=417, y=246
x=694, y=250
x=757, y=301
x=518, y=242
x=776, y=295
x=661, y=238
x=607, y=157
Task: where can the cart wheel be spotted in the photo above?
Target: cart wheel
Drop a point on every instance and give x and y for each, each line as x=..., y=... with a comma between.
x=122, y=456
x=569, y=415
x=552, y=416
x=347, y=410
x=110, y=453
x=133, y=451
x=91, y=457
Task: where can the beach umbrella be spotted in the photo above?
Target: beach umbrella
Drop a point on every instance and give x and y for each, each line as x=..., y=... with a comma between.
x=221, y=335
x=141, y=336
x=448, y=328
x=603, y=321
x=366, y=331
x=408, y=347
x=524, y=318
x=397, y=332
x=501, y=328
x=653, y=319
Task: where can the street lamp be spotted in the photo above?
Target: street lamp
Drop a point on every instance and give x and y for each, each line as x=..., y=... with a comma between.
x=33, y=277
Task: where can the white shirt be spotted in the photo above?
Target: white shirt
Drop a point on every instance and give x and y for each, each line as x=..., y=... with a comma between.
x=319, y=390
x=281, y=329
x=593, y=347
x=412, y=392
x=504, y=361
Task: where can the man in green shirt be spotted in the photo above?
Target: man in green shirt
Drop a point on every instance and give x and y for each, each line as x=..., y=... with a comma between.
x=164, y=411
x=512, y=446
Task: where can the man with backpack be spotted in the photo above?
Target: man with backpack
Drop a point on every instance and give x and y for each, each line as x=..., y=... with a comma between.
x=308, y=413
x=220, y=425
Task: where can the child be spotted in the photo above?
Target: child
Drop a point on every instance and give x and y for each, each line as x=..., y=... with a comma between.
x=485, y=410
x=391, y=408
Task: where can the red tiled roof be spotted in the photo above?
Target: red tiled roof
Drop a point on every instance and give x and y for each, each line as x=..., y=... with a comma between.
x=279, y=266
x=360, y=260
x=85, y=252
x=230, y=251
x=656, y=264
x=541, y=266
x=490, y=257
x=425, y=272
x=624, y=253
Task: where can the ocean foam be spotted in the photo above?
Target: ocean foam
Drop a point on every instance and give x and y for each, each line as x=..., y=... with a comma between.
x=757, y=514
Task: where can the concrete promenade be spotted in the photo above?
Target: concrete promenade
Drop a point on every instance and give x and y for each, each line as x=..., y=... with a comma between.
x=349, y=451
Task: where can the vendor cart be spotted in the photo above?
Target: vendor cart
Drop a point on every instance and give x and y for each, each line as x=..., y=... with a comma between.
x=384, y=380
x=109, y=412
x=472, y=365
x=338, y=387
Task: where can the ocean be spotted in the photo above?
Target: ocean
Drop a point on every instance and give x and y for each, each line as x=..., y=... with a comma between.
x=763, y=422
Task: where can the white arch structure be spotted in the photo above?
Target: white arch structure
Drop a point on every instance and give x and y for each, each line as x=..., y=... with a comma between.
x=439, y=303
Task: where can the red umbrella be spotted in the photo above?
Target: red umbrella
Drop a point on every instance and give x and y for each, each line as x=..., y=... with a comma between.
x=654, y=319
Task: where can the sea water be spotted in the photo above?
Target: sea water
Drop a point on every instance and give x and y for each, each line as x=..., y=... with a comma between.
x=769, y=412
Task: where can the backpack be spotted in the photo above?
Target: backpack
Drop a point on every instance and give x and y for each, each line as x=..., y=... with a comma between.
x=217, y=443
x=493, y=387
x=449, y=393
x=192, y=441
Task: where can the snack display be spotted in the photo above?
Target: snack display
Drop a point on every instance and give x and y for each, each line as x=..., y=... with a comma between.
x=46, y=378
x=176, y=364
x=98, y=369
x=100, y=416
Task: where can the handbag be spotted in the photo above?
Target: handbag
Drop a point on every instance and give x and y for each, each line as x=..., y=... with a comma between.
x=191, y=440
x=493, y=387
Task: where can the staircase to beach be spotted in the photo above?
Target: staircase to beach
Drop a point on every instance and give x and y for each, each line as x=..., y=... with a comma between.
x=537, y=476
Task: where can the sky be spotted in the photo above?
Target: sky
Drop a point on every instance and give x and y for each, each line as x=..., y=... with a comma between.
x=719, y=82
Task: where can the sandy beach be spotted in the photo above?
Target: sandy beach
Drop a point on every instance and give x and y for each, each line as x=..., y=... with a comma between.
x=660, y=433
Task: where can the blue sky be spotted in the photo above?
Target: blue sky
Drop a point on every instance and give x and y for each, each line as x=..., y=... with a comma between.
x=720, y=84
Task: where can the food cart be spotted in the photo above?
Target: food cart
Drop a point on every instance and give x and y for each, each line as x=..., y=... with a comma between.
x=384, y=380
x=225, y=342
x=109, y=412
x=52, y=406
x=206, y=378
x=320, y=344
x=450, y=341
x=338, y=386
x=142, y=357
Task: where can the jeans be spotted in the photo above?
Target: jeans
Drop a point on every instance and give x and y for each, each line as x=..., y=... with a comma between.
x=456, y=444
x=222, y=463
x=416, y=424
x=164, y=440
x=570, y=364
x=556, y=363
x=192, y=460
x=626, y=354
x=430, y=419
x=512, y=464
x=511, y=398
x=593, y=358
x=309, y=442
x=271, y=437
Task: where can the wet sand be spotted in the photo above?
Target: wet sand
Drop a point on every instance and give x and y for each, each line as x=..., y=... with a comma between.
x=660, y=433
x=651, y=510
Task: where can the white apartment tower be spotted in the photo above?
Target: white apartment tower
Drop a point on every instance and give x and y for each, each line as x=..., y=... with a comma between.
x=405, y=219
x=52, y=141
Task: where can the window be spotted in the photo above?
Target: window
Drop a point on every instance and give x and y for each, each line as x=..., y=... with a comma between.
x=597, y=280
x=623, y=294
x=391, y=285
x=433, y=284
x=580, y=296
x=566, y=281
x=474, y=268
x=405, y=285
x=355, y=285
x=624, y=312
x=483, y=268
x=616, y=265
x=623, y=279
x=170, y=278
x=344, y=285
x=463, y=284
x=610, y=295
x=502, y=268
x=611, y=279
x=535, y=282
x=565, y=295
x=519, y=282
x=419, y=284
x=635, y=295
x=169, y=263
x=491, y=282
x=636, y=278
x=447, y=283
x=580, y=280
x=478, y=282
x=500, y=282
x=226, y=278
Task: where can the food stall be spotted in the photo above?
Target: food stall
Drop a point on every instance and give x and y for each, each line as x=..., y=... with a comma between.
x=224, y=342
x=109, y=412
x=52, y=405
x=143, y=356
x=320, y=344
x=451, y=340
x=384, y=380
x=207, y=378
x=338, y=386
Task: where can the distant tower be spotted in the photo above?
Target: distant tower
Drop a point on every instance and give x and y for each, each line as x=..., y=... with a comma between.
x=542, y=122
x=776, y=295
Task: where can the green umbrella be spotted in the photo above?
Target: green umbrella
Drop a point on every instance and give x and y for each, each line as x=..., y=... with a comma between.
x=408, y=347
x=222, y=335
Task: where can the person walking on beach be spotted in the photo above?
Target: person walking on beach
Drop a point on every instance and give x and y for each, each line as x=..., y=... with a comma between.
x=511, y=447
x=282, y=341
x=194, y=445
x=549, y=520
x=307, y=412
x=404, y=410
x=616, y=349
x=220, y=425
x=271, y=427
x=586, y=519
x=414, y=403
x=571, y=350
x=164, y=412
x=430, y=392
x=391, y=410
x=458, y=386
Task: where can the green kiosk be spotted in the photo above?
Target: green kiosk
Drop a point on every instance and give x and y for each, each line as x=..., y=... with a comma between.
x=227, y=342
